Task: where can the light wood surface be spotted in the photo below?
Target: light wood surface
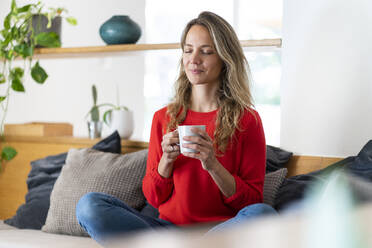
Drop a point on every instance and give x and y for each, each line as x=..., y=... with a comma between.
x=13, y=176
x=143, y=47
x=305, y=164
x=39, y=129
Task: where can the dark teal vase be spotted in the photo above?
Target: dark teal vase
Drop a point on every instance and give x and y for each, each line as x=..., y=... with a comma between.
x=120, y=29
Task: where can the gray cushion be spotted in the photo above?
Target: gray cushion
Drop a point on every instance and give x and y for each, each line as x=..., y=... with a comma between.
x=44, y=173
x=273, y=181
x=88, y=170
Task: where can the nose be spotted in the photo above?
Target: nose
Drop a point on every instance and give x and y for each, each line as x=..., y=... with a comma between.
x=195, y=58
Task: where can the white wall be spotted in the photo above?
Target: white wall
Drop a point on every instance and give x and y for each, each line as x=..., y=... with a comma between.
x=66, y=95
x=326, y=78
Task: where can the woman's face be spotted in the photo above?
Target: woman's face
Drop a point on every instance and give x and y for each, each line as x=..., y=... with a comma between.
x=200, y=59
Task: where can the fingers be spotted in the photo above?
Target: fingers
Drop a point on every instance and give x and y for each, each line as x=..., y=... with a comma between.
x=169, y=142
x=171, y=137
x=193, y=155
x=201, y=133
x=173, y=148
x=173, y=134
x=198, y=140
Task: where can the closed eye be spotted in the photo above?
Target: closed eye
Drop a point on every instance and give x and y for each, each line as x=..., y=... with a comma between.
x=207, y=52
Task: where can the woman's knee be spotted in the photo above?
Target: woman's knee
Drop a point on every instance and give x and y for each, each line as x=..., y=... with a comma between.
x=88, y=206
x=257, y=209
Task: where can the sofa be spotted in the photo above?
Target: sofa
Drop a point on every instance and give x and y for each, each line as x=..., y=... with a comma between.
x=56, y=174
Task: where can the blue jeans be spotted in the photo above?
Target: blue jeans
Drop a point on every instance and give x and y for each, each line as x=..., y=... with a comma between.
x=245, y=214
x=104, y=216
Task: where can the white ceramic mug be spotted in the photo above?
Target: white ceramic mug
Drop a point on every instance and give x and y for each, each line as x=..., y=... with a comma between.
x=185, y=130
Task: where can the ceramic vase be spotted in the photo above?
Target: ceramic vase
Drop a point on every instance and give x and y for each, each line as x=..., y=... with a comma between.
x=120, y=29
x=122, y=121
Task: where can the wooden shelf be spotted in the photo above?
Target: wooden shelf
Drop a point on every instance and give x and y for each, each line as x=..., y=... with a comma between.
x=72, y=140
x=143, y=47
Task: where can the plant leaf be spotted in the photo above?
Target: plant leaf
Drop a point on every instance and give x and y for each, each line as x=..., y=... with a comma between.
x=7, y=21
x=105, y=116
x=2, y=98
x=94, y=93
x=8, y=38
x=15, y=33
x=48, y=39
x=9, y=54
x=49, y=17
x=38, y=73
x=71, y=20
x=24, y=8
x=94, y=113
x=8, y=153
x=2, y=78
x=124, y=108
x=13, y=6
x=24, y=49
x=17, y=85
x=17, y=73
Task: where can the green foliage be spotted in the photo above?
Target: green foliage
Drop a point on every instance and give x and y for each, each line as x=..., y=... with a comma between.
x=94, y=94
x=8, y=153
x=71, y=20
x=109, y=111
x=18, y=39
x=54, y=12
x=49, y=39
x=38, y=73
x=94, y=111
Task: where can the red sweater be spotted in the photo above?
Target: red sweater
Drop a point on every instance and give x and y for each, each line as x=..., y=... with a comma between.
x=190, y=195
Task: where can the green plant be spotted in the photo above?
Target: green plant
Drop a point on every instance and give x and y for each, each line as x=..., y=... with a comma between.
x=18, y=40
x=54, y=12
x=94, y=111
x=112, y=108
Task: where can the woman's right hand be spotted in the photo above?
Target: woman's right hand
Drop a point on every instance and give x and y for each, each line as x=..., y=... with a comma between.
x=171, y=150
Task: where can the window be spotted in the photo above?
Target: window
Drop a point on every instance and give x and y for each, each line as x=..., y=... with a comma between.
x=251, y=20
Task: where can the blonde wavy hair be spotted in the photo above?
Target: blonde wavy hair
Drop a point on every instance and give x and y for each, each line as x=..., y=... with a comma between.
x=233, y=95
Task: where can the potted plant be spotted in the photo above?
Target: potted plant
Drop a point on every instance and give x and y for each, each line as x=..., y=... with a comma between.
x=18, y=39
x=117, y=117
x=51, y=22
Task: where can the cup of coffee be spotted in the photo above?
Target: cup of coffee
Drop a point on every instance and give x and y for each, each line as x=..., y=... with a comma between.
x=185, y=130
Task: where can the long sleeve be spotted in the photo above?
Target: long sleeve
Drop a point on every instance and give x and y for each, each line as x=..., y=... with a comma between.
x=249, y=178
x=156, y=189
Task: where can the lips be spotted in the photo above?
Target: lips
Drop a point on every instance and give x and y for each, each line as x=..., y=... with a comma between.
x=196, y=71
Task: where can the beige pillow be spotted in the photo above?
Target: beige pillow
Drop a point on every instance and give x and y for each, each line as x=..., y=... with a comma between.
x=88, y=170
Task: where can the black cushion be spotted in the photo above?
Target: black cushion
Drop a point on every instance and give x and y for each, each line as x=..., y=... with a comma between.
x=362, y=164
x=40, y=182
x=294, y=188
x=276, y=158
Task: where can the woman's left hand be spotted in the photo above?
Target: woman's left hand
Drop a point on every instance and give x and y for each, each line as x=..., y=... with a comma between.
x=203, y=145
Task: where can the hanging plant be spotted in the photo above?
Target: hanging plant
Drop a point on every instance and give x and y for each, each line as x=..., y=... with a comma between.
x=18, y=40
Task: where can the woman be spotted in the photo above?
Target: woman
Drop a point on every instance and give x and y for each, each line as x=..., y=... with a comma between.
x=223, y=180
